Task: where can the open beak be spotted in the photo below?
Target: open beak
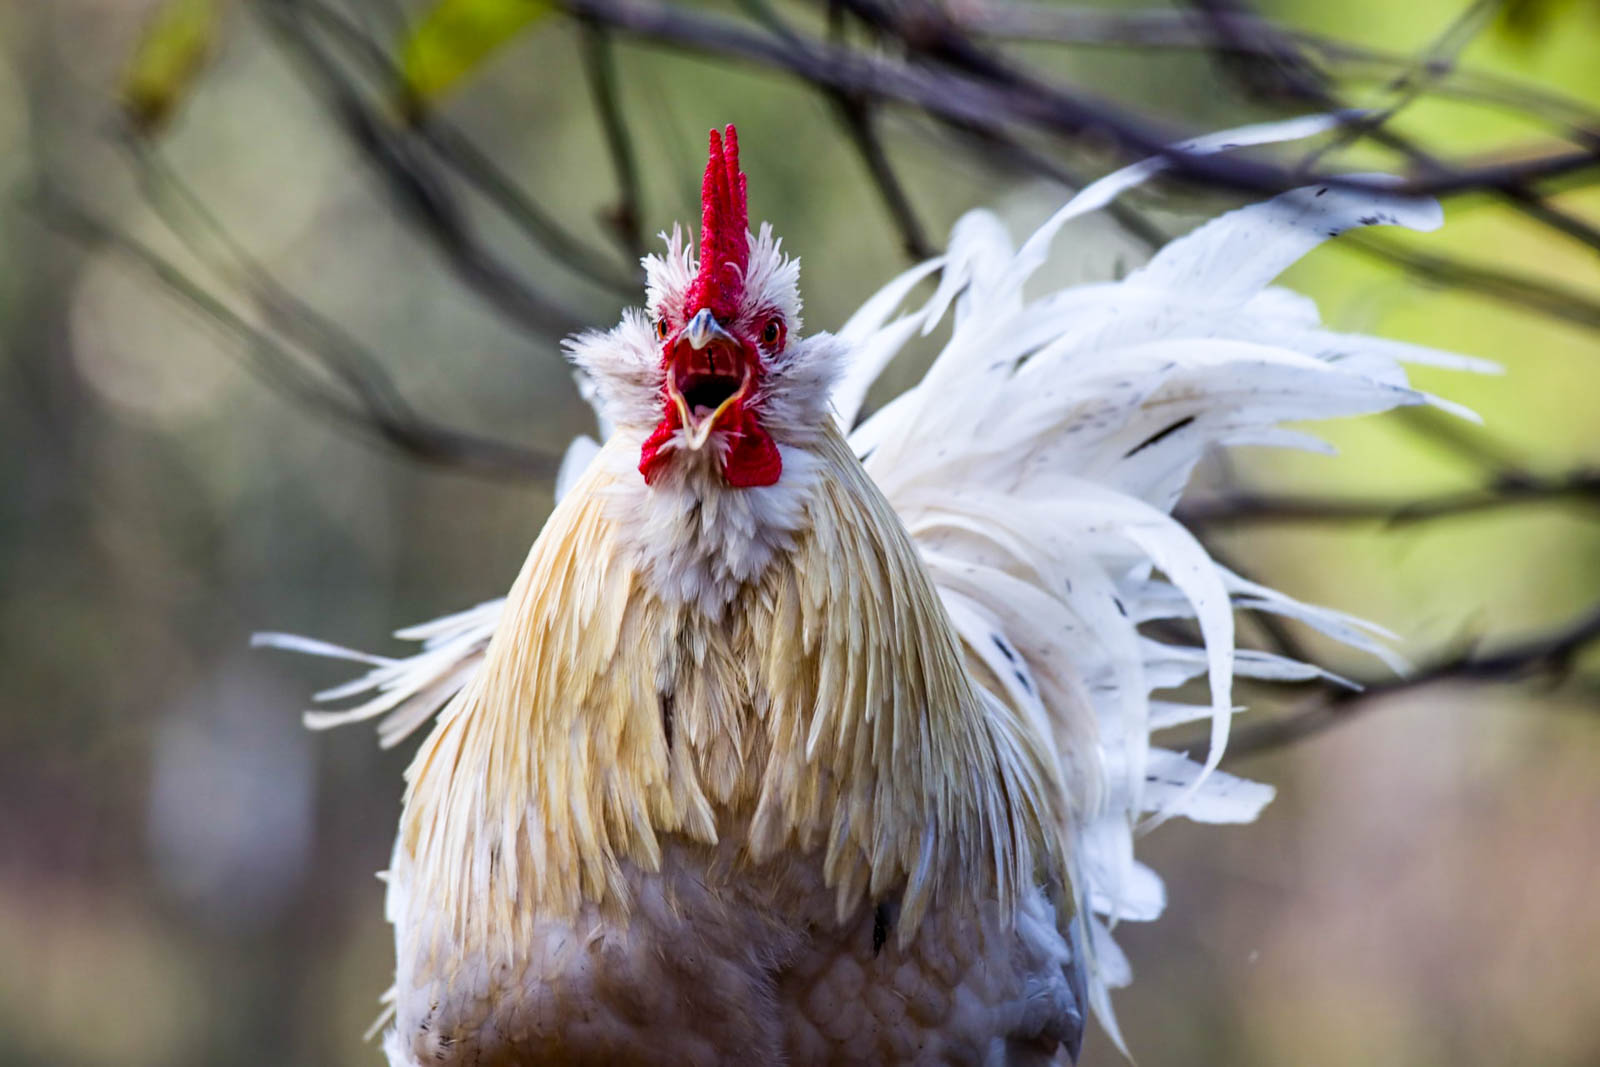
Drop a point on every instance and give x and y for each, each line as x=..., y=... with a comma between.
x=709, y=373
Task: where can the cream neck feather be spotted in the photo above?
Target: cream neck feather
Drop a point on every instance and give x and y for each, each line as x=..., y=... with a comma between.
x=693, y=539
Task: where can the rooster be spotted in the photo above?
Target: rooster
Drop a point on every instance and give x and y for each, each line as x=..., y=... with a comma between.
x=805, y=740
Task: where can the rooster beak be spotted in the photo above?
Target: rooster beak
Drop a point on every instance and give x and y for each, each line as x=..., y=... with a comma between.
x=704, y=329
x=694, y=374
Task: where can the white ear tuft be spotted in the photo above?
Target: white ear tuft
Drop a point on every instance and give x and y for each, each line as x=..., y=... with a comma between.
x=625, y=369
x=796, y=401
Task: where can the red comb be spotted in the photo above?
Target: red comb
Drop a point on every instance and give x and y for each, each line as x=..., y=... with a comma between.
x=724, y=225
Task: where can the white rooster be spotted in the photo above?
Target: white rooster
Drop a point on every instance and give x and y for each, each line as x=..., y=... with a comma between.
x=804, y=741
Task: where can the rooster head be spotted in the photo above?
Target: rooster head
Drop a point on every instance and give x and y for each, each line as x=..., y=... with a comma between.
x=715, y=337
x=714, y=372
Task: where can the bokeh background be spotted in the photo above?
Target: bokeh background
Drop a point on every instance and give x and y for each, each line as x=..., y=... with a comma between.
x=186, y=875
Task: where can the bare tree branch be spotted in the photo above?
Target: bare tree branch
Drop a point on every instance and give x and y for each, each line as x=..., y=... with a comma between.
x=1549, y=655
x=860, y=122
x=1467, y=441
x=1027, y=98
x=946, y=69
x=1251, y=33
x=980, y=96
x=1409, y=85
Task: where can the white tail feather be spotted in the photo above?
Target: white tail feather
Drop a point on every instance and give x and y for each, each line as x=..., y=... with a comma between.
x=1064, y=428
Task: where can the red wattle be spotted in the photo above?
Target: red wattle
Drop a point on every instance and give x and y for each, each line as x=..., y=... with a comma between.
x=753, y=458
x=650, y=458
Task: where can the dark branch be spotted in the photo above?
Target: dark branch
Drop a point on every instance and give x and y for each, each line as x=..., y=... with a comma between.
x=1471, y=443
x=859, y=122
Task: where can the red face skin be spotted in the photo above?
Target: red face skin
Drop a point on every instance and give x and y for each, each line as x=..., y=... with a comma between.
x=712, y=359
x=708, y=389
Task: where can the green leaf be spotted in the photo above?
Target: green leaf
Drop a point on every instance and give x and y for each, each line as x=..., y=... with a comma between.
x=177, y=40
x=455, y=37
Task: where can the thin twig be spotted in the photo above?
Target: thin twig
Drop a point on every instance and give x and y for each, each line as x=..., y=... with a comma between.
x=375, y=414
x=1464, y=439
x=422, y=194
x=626, y=217
x=452, y=148
x=1550, y=655
x=187, y=217
x=1230, y=509
x=1549, y=298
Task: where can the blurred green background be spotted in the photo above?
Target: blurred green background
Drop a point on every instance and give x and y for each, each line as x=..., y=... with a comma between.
x=186, y=875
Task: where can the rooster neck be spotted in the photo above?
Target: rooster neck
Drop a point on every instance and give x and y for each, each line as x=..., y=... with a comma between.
x=695, y=540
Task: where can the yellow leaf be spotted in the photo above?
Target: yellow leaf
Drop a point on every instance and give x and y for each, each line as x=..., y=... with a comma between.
x=455, y=37
x=176, y=42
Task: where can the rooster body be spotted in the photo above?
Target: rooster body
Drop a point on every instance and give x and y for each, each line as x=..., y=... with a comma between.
x=632, y=828
x=800, y=743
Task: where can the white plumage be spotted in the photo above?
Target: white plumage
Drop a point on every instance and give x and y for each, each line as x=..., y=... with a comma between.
x=1035, y=467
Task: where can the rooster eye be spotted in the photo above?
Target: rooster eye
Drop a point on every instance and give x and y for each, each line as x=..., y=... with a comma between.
x=661, y=329
x=773, y=331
